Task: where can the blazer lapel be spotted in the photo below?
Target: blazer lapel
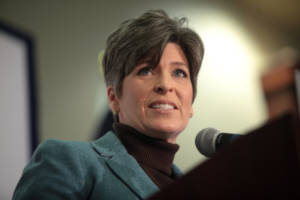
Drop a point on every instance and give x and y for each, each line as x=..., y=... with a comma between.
x=127, y=168
x=124, y=165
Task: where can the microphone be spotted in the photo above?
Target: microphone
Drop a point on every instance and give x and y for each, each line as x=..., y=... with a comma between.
x=209, y=140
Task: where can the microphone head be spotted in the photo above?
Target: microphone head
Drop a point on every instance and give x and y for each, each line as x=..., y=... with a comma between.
x=206, y=141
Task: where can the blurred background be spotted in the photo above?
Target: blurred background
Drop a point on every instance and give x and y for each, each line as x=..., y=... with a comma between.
x=242, y=40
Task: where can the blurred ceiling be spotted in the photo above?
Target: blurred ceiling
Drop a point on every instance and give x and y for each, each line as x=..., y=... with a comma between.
x=282, y=13
x=274, y=24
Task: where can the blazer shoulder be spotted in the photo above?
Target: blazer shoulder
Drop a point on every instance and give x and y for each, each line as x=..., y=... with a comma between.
x=63, y=146
x=67, y=152
x=59, y=168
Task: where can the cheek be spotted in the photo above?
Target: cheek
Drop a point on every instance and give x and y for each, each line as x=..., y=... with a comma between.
x=137, y=94
x=134, y=98
x=187, y=92
x=188, y=100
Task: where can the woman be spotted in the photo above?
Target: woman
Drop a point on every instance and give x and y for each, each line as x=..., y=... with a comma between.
x=150, y=66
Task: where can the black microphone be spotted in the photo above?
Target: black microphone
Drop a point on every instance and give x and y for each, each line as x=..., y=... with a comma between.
x=209, y=140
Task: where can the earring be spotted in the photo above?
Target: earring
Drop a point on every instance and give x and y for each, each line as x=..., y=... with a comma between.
x=115, y=116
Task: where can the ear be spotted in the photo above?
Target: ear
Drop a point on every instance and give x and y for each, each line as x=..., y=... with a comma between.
x=113, y=100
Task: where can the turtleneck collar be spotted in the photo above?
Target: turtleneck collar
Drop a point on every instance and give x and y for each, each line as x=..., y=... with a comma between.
x=151, y=152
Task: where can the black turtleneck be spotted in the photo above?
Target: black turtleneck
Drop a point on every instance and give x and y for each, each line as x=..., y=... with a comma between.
x=155, y=156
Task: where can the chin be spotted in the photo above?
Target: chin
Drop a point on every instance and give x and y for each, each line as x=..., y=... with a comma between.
x=166, y=132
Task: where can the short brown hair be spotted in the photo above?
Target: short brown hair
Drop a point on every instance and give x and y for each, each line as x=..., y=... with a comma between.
x=146, y=36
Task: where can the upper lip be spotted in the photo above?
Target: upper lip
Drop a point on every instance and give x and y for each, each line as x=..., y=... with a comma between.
x=163, y=102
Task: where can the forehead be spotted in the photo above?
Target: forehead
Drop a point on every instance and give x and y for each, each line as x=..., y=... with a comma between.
x=172, y=53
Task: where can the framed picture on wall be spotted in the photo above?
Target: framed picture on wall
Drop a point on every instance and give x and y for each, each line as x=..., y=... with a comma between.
x=18, y=106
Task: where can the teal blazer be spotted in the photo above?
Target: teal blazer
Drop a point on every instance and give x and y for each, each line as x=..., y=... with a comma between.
x=84, y=170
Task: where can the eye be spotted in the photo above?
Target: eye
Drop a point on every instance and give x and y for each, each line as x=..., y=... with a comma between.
x=145, y=71
x=180, y=73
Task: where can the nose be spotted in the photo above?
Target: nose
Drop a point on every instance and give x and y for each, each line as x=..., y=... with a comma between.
x=163, y=84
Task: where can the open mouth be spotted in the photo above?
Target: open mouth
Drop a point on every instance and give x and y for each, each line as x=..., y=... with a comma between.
x=163, y=106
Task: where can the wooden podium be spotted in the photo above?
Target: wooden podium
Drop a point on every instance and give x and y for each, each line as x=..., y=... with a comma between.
x=264, y=164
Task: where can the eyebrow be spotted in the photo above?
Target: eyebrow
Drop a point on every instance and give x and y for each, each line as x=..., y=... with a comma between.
x=177, y=63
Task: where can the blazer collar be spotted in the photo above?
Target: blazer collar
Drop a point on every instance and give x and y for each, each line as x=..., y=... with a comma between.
x=124, y=165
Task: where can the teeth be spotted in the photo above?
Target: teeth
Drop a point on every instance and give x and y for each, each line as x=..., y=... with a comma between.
x=163, y=106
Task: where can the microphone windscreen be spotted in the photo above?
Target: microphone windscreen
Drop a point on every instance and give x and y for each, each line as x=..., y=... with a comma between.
x=205, y=141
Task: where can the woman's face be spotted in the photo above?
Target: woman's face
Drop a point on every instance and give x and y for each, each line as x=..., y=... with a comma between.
x=157, y=101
